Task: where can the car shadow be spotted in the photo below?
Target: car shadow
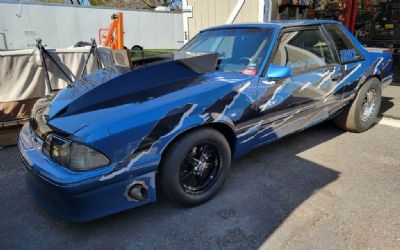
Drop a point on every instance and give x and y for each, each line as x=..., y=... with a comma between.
x=263, y=189
x=386, y=104
x=396, y=82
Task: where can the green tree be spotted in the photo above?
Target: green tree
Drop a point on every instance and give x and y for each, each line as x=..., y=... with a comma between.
x=134, y=4
x=59, y=1
x=50, y=1
x=155, y=3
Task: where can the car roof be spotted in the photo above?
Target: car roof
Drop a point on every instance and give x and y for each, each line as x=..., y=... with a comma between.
x=278, y=24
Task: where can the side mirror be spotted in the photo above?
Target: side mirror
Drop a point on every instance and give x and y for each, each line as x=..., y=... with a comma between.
x=276, y=71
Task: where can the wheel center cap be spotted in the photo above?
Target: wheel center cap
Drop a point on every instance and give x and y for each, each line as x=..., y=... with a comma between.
x=201, y=168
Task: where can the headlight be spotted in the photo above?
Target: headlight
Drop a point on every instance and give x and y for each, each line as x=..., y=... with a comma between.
x=73, y=155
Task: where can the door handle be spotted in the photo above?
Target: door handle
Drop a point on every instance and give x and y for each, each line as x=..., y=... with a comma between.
x=336, y=76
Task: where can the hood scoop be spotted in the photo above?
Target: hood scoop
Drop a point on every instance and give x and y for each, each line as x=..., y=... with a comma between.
x=117, y=86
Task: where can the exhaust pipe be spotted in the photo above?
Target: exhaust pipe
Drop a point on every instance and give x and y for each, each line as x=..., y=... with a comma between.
x=137, y=191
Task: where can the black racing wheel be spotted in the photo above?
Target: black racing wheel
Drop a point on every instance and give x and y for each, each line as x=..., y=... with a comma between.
x=195, y=167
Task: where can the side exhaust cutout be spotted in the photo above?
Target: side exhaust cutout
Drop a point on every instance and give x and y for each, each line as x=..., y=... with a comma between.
x=137, y=191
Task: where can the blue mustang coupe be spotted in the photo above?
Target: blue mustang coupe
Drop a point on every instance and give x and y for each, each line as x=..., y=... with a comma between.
x=107, y=142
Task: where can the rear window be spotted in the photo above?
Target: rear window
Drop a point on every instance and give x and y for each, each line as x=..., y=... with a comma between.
x=348, y=52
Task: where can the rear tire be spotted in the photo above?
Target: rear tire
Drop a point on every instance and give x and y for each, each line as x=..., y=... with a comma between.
x=361, y=114
x=195, y=167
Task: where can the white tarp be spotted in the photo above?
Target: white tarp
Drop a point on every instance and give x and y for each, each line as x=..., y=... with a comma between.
x=23, y=78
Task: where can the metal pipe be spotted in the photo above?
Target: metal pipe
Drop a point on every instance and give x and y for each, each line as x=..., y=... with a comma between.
x=138, y=192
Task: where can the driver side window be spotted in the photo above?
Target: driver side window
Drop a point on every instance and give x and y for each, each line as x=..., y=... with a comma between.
x=303, y=50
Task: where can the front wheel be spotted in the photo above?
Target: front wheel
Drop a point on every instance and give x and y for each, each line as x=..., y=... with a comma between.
x=361, y=114
x=195, y=167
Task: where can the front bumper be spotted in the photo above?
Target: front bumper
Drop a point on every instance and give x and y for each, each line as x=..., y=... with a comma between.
x=76, y=196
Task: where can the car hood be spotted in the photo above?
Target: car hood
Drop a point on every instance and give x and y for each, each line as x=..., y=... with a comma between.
x=116, y=86
x=109, y=95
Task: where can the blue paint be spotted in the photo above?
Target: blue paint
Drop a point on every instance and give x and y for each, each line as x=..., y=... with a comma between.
x=278, y=72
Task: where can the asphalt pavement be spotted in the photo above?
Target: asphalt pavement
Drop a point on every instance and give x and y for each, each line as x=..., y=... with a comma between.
x=322, y=188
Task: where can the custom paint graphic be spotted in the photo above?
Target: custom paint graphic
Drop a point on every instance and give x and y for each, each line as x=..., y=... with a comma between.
x=172, y=121
x=130, y=117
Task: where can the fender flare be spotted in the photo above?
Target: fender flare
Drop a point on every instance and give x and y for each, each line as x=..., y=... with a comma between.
x=230, y=134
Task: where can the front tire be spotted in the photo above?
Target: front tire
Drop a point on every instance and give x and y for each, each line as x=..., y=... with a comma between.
x=195, y=167
x=361, y=114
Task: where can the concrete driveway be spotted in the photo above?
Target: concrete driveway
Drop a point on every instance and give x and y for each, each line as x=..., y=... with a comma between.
x=319, y=189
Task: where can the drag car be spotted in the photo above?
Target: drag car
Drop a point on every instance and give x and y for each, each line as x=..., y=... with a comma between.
x=109, y=141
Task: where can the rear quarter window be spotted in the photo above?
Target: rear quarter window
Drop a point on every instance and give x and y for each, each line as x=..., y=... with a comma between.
x=303, y=50
x=348, y=52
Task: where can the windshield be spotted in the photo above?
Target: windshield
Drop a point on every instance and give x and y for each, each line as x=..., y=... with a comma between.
x=240, y=50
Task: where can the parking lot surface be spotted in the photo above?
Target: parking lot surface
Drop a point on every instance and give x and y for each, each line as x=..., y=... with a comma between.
x=322, y=188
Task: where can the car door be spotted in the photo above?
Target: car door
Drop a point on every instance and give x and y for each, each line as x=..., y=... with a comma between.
x=351, y=62
x=304, y=98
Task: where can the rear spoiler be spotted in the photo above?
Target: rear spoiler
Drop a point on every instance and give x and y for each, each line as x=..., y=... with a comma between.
x=379, y=50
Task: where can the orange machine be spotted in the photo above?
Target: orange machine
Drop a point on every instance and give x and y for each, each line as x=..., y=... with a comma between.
x=114, y=35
